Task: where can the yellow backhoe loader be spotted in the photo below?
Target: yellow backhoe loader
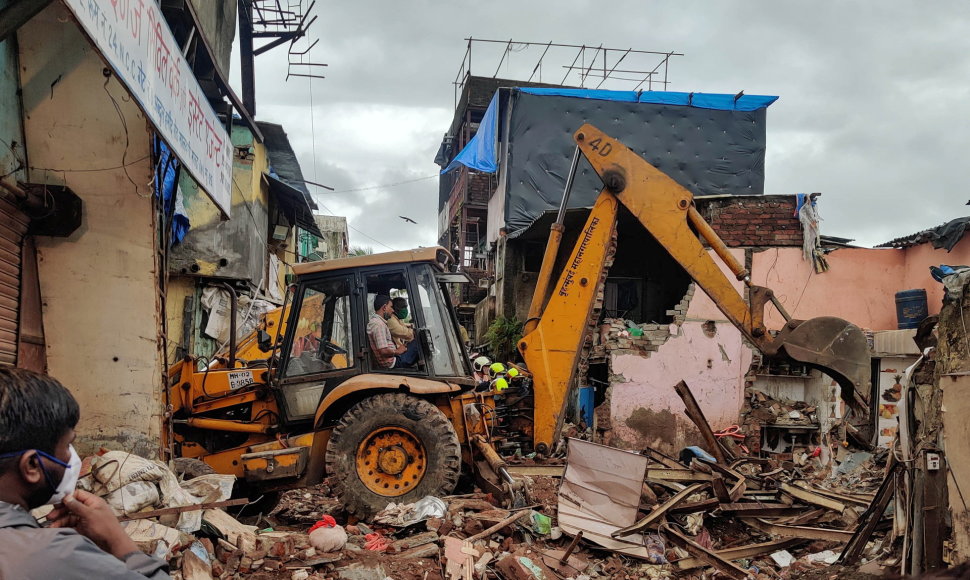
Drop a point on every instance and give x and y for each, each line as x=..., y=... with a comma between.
x=304, y=397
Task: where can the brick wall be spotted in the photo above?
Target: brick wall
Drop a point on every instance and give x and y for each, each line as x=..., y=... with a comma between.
x=767, y=220
x=480, y=187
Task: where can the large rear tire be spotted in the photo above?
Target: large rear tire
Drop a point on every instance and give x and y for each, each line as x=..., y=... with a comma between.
x=392, y=448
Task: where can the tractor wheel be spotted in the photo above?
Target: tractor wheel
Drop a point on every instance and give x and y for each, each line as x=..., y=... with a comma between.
x=392, y=448
x=188, y=468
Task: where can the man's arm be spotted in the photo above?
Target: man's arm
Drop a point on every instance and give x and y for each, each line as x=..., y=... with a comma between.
x=381, y=340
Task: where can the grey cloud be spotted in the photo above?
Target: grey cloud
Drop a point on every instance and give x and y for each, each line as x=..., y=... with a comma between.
x=874, y=108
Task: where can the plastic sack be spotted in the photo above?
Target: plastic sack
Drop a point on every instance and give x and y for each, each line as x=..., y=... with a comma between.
x=133, y=497
x=209, y=488
x=429, y=507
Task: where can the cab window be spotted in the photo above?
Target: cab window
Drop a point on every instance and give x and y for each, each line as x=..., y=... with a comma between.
x=323, y=338
x=392, y=341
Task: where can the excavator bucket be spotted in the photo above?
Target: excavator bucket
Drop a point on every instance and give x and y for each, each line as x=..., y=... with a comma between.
x=839, y=349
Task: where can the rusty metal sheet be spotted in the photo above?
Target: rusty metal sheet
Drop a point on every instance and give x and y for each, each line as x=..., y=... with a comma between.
x=600, y=494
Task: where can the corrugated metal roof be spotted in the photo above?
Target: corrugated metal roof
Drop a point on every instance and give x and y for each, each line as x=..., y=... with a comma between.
x=939, y=235
x=894, y=342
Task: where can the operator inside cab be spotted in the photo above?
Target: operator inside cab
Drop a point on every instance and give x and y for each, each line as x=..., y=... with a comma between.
x=387, y=353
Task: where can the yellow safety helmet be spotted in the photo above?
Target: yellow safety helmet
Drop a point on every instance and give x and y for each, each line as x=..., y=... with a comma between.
x=496, y=368
x=500, y=384
x=513, y=372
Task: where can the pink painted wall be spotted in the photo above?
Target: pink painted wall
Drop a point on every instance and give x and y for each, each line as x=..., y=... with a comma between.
x=920, y=258
x=860, y=285
x=646, y=410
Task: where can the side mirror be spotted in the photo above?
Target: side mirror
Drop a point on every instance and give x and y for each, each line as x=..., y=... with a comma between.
x=264, y=341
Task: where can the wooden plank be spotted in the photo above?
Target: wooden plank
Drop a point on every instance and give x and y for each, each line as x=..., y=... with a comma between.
x=859, y=500
x=676, y=474
x=659, y=511
x=537, y=470
x=662, y=458
x=720, y=489
x=752, y=509
x=870, y=519
x=184, y=508
x=806, y=517
x=798, y=531
x=695, y=414
x=709, y=557
x=811, y=497
x=743, y=552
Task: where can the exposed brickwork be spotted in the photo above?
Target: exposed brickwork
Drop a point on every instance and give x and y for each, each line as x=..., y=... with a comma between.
x=767, y=220
x=480, y=187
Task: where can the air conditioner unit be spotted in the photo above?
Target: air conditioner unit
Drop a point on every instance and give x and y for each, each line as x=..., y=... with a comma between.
x=484, y=283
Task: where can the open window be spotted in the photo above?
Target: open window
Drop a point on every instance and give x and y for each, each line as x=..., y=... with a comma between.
x=401, y=331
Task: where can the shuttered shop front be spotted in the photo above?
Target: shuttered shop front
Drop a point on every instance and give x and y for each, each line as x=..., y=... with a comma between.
x=13, y=227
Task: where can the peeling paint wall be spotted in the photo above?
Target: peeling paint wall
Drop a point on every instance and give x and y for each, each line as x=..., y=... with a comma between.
x=236, y=248
x=707, y=352
x=99, y=286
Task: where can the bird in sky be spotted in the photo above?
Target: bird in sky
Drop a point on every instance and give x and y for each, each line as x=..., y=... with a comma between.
x=407, y=219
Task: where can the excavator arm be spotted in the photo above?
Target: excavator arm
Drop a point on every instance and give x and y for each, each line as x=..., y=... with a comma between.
x=555, y=331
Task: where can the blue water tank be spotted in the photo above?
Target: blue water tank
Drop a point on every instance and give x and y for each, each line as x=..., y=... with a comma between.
x=911, y=308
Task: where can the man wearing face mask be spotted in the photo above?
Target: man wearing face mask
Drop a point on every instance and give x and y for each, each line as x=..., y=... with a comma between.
x=38, y=466
x=388, y=354
x=402, y=332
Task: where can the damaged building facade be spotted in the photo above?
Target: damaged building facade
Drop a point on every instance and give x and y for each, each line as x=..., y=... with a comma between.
x=130, y=170
x=505, y=165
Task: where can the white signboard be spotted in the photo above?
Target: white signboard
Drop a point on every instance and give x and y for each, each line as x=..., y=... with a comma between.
x=134, y=38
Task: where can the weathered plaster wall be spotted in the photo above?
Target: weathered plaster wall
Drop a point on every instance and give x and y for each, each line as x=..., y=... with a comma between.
x=99, y=287
x=235, y=248
x=861, y=283
x=644, y=407
x=647, y=411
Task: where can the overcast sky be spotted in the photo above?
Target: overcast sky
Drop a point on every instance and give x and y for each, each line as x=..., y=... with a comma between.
x=874, y=107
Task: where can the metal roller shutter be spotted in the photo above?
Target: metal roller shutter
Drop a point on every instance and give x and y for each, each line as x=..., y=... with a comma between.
x=13, y=227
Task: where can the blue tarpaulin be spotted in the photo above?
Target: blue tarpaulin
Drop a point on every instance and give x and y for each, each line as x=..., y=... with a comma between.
x=480, y=153
x=714, y=101
x=166, y=185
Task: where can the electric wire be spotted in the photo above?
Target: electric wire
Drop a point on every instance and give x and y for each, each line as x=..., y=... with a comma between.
x=124, y=125
x=383, y=185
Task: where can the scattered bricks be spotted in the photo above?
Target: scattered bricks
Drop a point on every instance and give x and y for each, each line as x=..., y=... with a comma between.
x=276, y=544
x=218, y=568
x=306, y=553
x=232, y=563
x=258, y=564
x=223, y=550
x=524, y=565
x=245, y=565
x=207, y=544
x=473, y=527
x=272, y=565
x=414, y=541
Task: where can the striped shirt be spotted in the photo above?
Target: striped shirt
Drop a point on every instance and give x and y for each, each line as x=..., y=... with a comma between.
x=380, y=339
